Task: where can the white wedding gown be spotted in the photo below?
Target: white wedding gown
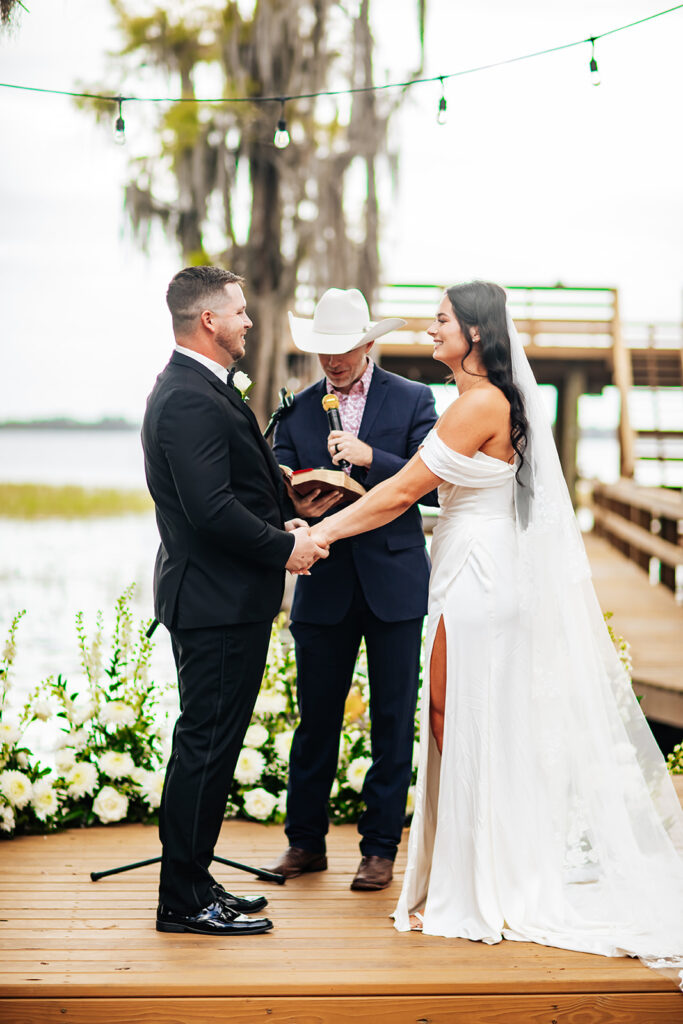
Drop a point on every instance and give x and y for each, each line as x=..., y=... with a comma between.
x=549, y=817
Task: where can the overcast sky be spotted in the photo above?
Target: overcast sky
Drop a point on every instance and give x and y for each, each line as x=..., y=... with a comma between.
x=537, y=176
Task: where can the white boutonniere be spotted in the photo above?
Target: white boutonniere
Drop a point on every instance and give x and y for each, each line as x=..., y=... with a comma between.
x=243, y=383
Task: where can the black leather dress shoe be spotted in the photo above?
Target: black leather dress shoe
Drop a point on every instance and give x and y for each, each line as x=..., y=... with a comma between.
x=242, y=904
x=216, y=919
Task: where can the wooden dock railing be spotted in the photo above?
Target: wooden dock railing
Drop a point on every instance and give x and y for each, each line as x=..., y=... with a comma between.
x=644, y=523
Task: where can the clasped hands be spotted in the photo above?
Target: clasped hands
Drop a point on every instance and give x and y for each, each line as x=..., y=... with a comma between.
x=306, y=550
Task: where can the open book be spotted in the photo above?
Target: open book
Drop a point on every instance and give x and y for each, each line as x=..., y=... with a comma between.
x=305, y=480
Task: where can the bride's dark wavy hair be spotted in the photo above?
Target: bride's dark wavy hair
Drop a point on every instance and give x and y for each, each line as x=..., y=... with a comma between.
x=482, y=304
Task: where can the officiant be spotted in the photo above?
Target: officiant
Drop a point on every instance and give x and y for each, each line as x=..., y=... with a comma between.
x=373, y=586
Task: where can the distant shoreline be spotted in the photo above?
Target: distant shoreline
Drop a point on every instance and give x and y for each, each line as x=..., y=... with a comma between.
x=113, y=423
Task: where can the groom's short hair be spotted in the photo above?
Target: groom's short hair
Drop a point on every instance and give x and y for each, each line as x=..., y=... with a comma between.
x=192, y=289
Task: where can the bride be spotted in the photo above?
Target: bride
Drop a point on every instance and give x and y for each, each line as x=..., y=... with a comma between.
x=543, y=811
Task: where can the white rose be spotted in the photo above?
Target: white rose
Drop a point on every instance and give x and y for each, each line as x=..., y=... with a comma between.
x=110, y=805
x=22, y=759
x=9, y=734
x=65, y=759
x=270, y=703
x=249, y=767
x=410, y=801
x=81, y=779
x=259, y=803
x=152, y=788
x=255, y=736
x=16, y=787
x=42, y=709
x=282, y=743
x=139, y=776
x=242, y=382
x=356, y=772
x=44, y=801
x=117, y=712
x=6, y=819
x=115, y=764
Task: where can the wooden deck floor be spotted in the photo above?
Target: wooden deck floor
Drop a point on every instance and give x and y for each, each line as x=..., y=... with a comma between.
x=81, y=952
x=649, y=618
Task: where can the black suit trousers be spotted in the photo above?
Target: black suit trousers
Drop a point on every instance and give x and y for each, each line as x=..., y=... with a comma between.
x=219, y=674
x=325, y=657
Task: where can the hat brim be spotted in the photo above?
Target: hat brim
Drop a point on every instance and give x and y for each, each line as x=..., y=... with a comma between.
x=307, y=339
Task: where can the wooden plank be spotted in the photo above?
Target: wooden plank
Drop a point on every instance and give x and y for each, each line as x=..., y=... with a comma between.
x=602, y=1008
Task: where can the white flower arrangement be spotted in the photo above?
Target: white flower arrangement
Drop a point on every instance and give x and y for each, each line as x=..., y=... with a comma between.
x=110, y=758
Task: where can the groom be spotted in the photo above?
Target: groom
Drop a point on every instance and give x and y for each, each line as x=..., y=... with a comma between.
x=218, y=583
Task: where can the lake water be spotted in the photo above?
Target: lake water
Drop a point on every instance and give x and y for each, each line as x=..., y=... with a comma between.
x=54, y=568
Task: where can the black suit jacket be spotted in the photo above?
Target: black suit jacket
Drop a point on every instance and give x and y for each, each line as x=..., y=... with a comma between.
x=219, y=502
x=389, y=563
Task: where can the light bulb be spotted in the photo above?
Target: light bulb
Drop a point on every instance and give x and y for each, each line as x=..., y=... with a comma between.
x=120, y=132
x=441, y=117
x=595, y=75
x=281, y=137
x=120, y=127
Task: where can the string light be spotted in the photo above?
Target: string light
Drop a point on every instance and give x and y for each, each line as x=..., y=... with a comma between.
x=120, y=125
x=281, y=137
x=595, y=76
x=441, y=117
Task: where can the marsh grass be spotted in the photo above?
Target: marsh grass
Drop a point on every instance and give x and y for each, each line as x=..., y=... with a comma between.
x=42, y=501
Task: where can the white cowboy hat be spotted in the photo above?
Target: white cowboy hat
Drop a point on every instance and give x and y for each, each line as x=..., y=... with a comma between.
x=341, y=322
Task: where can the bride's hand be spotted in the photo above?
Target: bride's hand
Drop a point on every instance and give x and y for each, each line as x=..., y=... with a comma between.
x=319, y=535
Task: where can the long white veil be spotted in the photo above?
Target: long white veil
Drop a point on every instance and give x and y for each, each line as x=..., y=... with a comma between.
x=616, y=826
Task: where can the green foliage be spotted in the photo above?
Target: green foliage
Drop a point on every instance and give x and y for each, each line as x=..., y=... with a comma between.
x=41, y=501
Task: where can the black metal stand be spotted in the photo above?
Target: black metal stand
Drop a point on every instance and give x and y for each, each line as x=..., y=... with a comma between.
x=261, y=873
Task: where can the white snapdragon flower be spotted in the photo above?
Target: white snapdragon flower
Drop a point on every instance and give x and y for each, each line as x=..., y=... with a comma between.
x=152, y=788
x=356, y=772
x=259, y=803
x=42, y=708
x=81, y=713
x=65, y=759
x=9, y=733
x=255, y=736
x=81, y=779
x=7, y=820
x=22, y=759
x=334, y=792
x=249, y=767
x=281, y=806
x=115, y=764
x=16, y=787
x=110, y=805
x=282, y=744
x=270, y=703
x=45, y=802
x=117, y=712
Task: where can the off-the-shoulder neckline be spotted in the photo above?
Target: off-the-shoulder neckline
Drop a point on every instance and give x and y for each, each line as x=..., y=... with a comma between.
x=491, y=458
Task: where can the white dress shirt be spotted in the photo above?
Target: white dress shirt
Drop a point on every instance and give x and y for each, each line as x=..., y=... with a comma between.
x=220, y=371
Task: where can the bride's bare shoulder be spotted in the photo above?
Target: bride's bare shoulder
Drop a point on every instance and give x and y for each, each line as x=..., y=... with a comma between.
x=473, y=418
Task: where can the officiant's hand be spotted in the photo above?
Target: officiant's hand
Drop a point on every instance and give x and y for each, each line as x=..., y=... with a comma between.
x=343, y=445
x=305, y=551
x=314, y=504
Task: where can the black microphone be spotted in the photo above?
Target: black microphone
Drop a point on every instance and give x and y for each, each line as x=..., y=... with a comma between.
x=331, y=407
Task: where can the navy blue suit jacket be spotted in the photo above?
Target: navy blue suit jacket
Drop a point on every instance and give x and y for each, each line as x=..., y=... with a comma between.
x=390, y=563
